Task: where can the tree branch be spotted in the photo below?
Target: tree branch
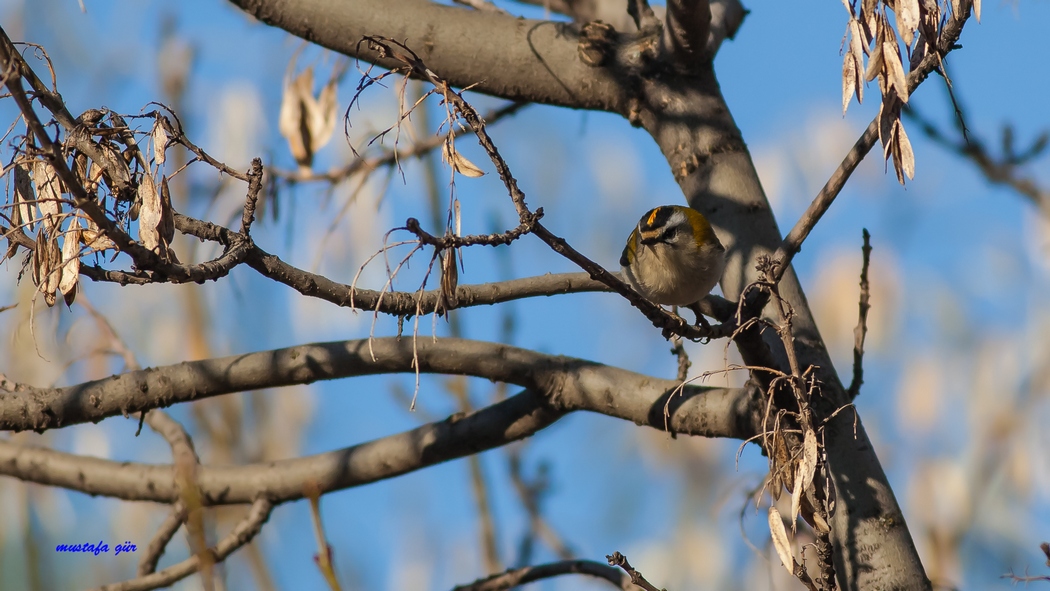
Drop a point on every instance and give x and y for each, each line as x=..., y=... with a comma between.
x=536, y=61
x=562, y=385
x=521, y=576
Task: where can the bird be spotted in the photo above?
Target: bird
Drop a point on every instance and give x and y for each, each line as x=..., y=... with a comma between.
x=673, y=257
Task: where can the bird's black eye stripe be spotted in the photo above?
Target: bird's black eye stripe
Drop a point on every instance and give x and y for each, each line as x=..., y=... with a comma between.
x=670, y=234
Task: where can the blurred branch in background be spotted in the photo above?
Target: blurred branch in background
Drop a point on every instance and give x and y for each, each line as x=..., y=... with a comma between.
x=1003, y=168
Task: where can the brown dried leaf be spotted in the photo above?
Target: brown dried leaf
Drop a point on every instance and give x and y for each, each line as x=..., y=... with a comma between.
x=51, y=273
x=875, y=65
x=48, y=193
x=41, y=264
x=93, y=238
x=305, y=121
x=160, y=142
x=167, y=214
x=907, y=19
x=805, y=470
x=95, y=173
x=895, y=70
x=322, y=116
x=70, y=261
x=449, y=279
x=906, y=154
x=292, y=121
x=780, y=540
x=856, y=42
x=849, y=80
x=150, y=213
x=25, y=211
x=458, y=162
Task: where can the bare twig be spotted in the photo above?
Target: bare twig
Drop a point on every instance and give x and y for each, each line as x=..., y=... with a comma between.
x=391, y=157
x=861, y=330
x=530, y=495
x=255, y=181
x=617, y=559
x=998, y=169
x=324, y=549
x=520, y=576
x=241, y=534
x=159, y=543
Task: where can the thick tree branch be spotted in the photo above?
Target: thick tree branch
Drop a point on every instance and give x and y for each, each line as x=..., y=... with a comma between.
x=536, y=61
x=686, y=29
x=136, y=391
x=562, y=385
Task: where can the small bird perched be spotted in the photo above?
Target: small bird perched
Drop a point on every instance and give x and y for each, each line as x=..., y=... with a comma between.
x=673, y=257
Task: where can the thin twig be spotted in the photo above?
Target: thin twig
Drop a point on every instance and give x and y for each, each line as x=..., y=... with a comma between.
x=159, y=543
x=520, y=576
x=255, y=178
x=617, y=559
x=241, y=534
x=861, y=331
x=998, y=169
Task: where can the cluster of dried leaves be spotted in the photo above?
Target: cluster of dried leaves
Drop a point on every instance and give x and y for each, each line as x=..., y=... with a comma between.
x=871, y=35
x=41, y=211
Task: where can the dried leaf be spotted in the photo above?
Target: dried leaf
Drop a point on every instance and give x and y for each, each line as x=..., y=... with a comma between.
x=458, y=162
x=907, y=19
x=977, y=9
x=292, y=122
x=93, y=238
x=24, y=197
x=150, y=213
x=48, y=193
x=70, y=261
x=856, y=43
x=805, y=470
x=895, y=70
x=167, y=214
x=870, y=15
x=849, y=80
x=780, y=540
x=95, y=173
x=449, y=279
x=906, y=153
x=307, y=122
x=322, y=116
x=51, y=268
x=875, y=65
x=160, y=142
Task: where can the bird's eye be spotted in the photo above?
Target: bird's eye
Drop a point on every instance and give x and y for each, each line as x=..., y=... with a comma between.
x=671, y=233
